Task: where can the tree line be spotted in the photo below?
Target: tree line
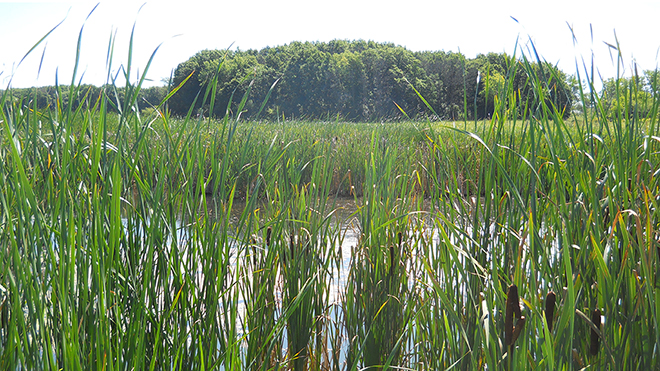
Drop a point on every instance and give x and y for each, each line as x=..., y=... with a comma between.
x=358, y=81
x=86, y=95
x=355, y=80
x=629, y=96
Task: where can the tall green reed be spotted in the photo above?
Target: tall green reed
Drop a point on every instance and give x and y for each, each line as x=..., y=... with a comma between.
x=123, y=265
x=540, y=211
x=380, y=298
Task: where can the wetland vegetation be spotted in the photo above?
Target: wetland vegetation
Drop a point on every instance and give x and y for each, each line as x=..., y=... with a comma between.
x=132, y=238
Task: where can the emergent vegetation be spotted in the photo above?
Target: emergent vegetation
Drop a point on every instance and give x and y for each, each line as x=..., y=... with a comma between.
x=134, y=239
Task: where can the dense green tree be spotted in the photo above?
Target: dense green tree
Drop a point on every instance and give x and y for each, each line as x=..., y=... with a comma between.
x=151, y=96
x=652, y=81
x=348, y=79
x=354, y=80
x=193, y=67
x=306, y=82
x=628, y=96
x=234, y=77
x=446, y=74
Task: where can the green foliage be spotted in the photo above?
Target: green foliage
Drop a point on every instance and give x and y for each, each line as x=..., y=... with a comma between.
x=358, y=80
x=629, y=97
x=192, y=70
x=352, y=80
x=84, y=96
x=137, y=240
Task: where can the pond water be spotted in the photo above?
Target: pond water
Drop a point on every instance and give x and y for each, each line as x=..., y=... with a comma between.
x=346, y=223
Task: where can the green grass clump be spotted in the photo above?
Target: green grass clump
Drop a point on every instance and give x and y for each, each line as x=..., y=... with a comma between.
x=155, y=242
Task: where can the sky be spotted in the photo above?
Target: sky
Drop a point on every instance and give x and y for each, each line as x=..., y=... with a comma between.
x=566, y=33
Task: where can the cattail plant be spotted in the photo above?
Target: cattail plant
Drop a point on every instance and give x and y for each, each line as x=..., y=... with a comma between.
x=550, y=309
x=379, y=296
x=594, y=345
x=261, y=323
x=511, y=331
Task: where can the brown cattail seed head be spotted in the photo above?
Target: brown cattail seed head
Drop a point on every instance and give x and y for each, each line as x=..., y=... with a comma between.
x=268, y=233
x=512, y=309
x=595, y=318
x=550, y=300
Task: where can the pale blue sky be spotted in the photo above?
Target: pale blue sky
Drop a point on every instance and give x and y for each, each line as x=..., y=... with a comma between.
x=469, y=26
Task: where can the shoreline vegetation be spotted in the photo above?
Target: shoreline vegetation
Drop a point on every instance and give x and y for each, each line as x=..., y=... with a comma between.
x=528, y=239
